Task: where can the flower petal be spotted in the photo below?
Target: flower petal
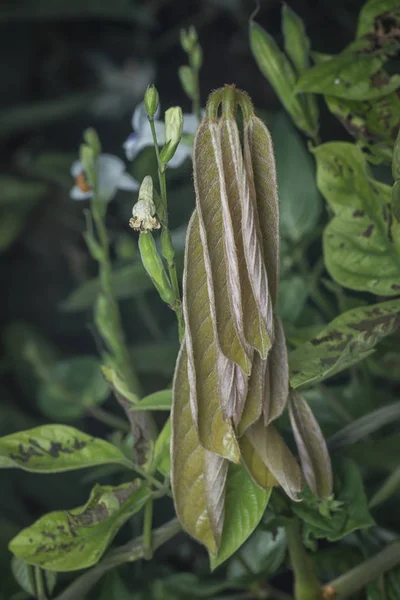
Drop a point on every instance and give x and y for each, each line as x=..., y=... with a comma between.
x=135, y=143
x=109, y=171
x=181, y=154
x=76, y=168
x=127, y=182
x=139, y=117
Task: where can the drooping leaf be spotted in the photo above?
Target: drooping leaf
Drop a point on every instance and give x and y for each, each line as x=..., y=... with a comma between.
x=314, y=456
x=215, y=434
x=254, y=400
x=362, y=241
x=220, y=262
x=55, y=448
x=345, y=341
x=300, y=201
x=75, y=539
x=161, y=400
x=275, y=454
x=244, y=506
x=240, y=207
x=215, y=474
x=256, y=468
x=351, y=513
x=276, y=388
x=187, y=468
x=73, y=385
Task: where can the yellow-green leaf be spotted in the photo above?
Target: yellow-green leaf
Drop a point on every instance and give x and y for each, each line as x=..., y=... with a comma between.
x=256, y=468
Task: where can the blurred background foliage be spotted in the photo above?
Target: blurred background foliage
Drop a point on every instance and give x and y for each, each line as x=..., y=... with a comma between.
x=69, y=64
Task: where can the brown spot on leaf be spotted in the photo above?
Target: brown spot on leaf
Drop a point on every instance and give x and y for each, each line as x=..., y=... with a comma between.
x=395, y=286
x=367, y=233
x=330, y=337
x=358, y=213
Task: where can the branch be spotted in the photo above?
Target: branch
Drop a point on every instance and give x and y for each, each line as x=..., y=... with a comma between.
x=128, y=553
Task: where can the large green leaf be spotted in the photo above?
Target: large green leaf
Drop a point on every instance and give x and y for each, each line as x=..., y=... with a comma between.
x=345, y=341
x=71, y=387
x=245, y=504
x=362, y=241
x=349, y=515
x=300, y=201
x=55, y=448
x=75, y=539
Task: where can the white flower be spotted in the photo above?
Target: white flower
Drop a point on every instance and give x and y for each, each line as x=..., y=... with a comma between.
x=111, y=176
x=143, y=212
x=142, y=137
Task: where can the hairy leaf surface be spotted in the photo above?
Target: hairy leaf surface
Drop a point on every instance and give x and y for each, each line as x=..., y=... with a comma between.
x=75, y=539
x=345, y=341
x=55, y=448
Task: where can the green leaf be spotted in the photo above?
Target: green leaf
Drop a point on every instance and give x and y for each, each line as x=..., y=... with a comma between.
x=25, y=576
x=351, y=515
x=55, y=448
x=300, y=201
x=245, y=504
x=161, y=400
x=72, y=386
x=293, y=294
x=348, y=339
x=119, y=386
x=362, y=241
x=277, y=69
x=371, y=10
x=265, y=551
x=162, y=455
x=76, y=539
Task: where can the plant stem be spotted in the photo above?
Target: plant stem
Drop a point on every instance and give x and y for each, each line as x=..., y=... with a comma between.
x=147, y=527
x=39, y=583
x=352, y=581
x=306, y=584
x=108, y=418
x=131, y=552
x=196, y=106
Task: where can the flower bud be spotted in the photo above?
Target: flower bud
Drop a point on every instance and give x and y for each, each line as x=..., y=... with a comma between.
x=187, y=81
x=154, y=267
x=188, y=39
x=87, y=158
x=151, y=100
x=173, y=132
x=143, y=212
x=92, y=140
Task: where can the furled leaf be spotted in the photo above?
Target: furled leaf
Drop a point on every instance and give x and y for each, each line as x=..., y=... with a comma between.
x=362, y=241
x=311, y=445
x=276, y=456
x=260, y=165
x=350, y=515
x=345, y=341
x=215, y=434
x=187, y=468
x=240, y=206
x=300, y=200
x=367, y=19
x=245, y=504
x=55, y=448
x=254, y=400
x=277, y=389
x=256, y=468
x=75, y=539
x=277, y=69
x=72, y=386
x=161, y=400
x=217, y=243
x=215, y=474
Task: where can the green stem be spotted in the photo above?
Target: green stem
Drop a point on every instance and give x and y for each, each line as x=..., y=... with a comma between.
x=147, y=530
x=196, y=106
x=353, y=581
x=108, y=418
x=306, y=584
x=39, y=583
x=131, y=552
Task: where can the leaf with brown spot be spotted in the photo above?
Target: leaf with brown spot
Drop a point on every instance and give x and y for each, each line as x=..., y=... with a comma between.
x=256, y=468
x=345, y=341
x=276, y=456
x=311, y=445
x=76, y=539
x=362, y=240
x=215, y=434
x=187, y=463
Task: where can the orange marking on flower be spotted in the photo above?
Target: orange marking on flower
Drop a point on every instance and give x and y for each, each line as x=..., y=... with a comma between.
x=82, y=182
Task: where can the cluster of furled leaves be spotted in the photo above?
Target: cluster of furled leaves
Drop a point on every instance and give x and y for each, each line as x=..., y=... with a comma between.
x=232, y=375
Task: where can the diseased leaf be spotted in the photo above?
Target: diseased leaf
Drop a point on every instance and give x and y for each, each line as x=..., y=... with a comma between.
x=367, y=19
x=254, y=329
x=260, y=165
x=244, y=506
x=362, y=241
x=215, y=434
x=75, y=539
x=345, y=341
x=350, y=515
x=300, y=200
x=276, y=456
x=55, y=448
x=311, y=445
x=276, y=388
x=256, y=468
x=187, y=468
x=161, y=400
x=220, y=262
